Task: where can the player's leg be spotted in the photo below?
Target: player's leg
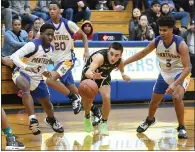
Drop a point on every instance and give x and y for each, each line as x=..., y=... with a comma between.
x=11, y=142
x=62, y=71
x=75, y=98
x=87, y=104
x=157, y=96
x=179, y=106
x=95, y=110
x=105, y=93
x=23, y=82
x=42, y=94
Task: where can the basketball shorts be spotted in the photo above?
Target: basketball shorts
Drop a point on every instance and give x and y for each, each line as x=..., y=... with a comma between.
x=38, y=88
x=64, y=70
x=165, y=79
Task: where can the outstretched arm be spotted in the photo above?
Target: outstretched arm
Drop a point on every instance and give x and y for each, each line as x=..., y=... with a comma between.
x=141, y=54
x=98, y=60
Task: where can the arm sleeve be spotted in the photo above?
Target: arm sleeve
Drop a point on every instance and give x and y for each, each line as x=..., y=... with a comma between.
x=73, y=27
x=10, y=40
x=25, y=50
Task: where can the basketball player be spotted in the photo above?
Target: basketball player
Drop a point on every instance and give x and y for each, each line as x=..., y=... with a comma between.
x=98, y=67
x=31, y=61
x=64, y=57
x=11, y=142
x=173, y=57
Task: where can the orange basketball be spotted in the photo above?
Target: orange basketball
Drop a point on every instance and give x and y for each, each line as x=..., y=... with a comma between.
x=88, y=89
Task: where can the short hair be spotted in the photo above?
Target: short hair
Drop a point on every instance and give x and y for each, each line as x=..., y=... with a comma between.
x=46, y=26
x=116, y=46
x=57, y=3
x=166, y=20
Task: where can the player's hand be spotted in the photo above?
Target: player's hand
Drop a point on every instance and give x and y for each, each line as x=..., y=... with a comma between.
x=97, y=76
x=7, y=61
x=47, y=74
x=126, y=78
x=170, y=89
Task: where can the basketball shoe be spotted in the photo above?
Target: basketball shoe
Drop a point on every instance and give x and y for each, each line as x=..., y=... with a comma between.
x=96, y=114
x=76, y=103
x=182, y=134
x=88, y=124
x=13, y=144
x=54, y=124
x=103, y=128
x=34, y=126
x=144, y=126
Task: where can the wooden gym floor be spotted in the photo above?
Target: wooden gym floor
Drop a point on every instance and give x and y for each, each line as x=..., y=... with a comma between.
x=123, y=121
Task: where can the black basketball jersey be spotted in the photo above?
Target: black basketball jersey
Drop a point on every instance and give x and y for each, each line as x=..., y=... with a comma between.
x=106, y=68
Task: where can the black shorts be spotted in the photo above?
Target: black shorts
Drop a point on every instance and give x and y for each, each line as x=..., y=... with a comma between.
x=101, y=82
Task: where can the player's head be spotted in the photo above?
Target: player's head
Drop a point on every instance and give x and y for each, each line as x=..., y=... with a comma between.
x=115, y=52
x=16, y=25
x=47, y=33
x=54, y=9
x=166, y=24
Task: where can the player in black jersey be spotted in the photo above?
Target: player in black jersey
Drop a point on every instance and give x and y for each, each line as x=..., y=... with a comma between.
x=98, y=68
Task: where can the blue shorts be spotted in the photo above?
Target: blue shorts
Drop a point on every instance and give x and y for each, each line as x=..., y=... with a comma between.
x=64, y=70
x=161, y=85
x=41, y=90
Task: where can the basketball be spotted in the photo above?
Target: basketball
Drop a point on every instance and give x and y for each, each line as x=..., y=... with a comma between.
x=88, y=89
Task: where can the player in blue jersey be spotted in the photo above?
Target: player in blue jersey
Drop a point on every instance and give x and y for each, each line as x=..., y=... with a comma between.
x=174, y=77
x=31, y=61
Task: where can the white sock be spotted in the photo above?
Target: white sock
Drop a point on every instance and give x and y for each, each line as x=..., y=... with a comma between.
x=32, y=116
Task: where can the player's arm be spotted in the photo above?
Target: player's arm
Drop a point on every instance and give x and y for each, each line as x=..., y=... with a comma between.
x=75, y=29
x=23, y=51
x=121, y=68
x=141, y=54
x=185, y=59
x=98, y=60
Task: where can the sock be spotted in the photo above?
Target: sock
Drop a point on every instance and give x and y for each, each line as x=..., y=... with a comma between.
x=104, y=121
x=87, y=116
x=8, y=132
x=32, y=116
x=72, y=96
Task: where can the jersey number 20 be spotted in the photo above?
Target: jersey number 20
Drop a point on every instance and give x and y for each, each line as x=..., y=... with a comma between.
x=60, y=46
